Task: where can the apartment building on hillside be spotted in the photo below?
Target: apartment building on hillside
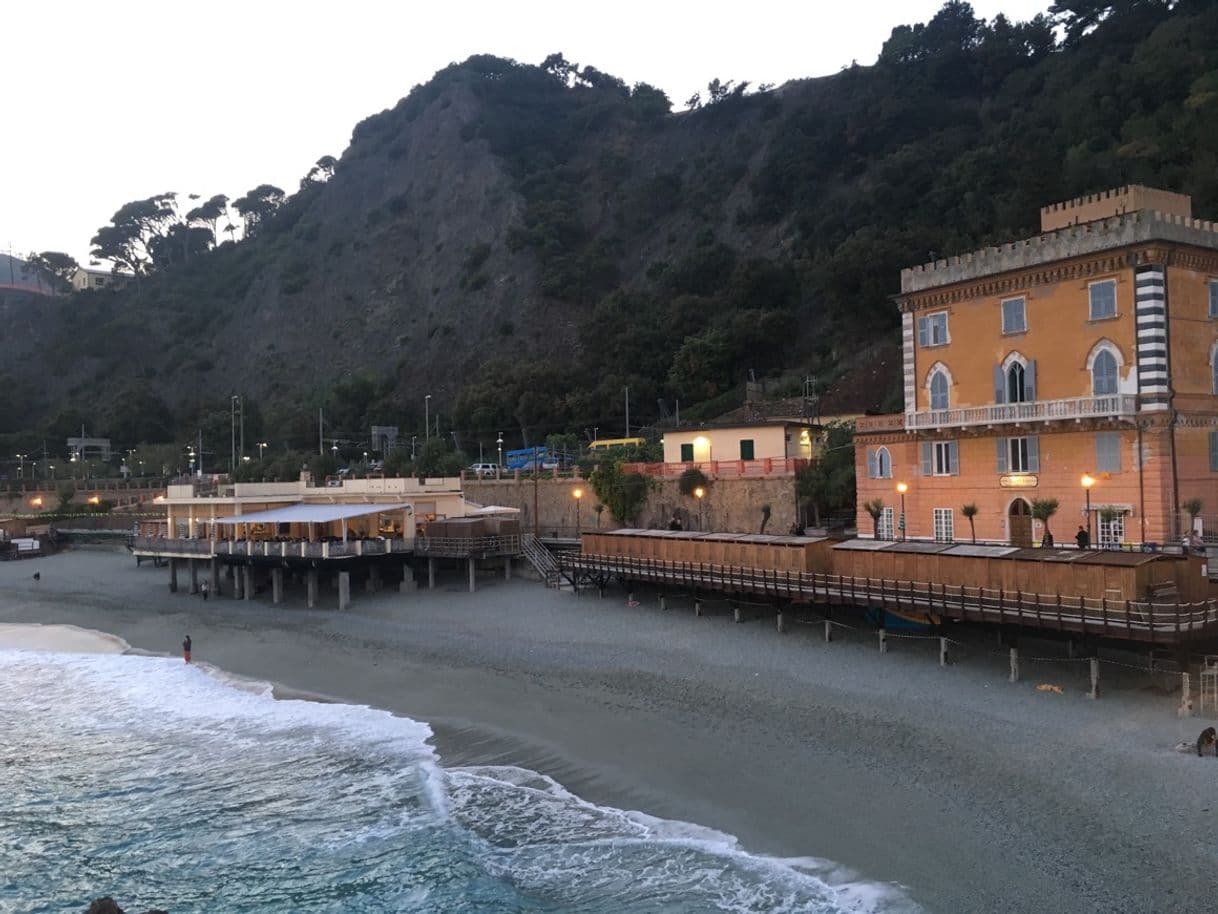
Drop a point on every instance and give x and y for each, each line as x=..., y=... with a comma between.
x=1088, y=350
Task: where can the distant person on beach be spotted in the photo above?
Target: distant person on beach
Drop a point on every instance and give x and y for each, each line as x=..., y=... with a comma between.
x=186, y=649
x=675, y=523
x=37, y=575
x=204, y=589
x=1083, y=538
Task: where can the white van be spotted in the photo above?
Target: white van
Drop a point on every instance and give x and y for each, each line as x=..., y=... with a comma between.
x=483, y=469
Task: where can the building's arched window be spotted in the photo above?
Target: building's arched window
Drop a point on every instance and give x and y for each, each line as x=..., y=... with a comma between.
x=938, y=390
x=1104, y=374
x=883, y=463
x=1017, y=391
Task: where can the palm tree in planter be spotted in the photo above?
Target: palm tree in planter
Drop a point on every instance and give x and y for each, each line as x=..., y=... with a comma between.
x=970, y=511
x=875, y=508
x=1042, y=510
x=1193, y=506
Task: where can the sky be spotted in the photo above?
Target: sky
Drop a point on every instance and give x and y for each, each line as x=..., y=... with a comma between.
x=111, y=102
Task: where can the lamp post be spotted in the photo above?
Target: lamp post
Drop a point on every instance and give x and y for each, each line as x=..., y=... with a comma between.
x=577, y=494
x=1088, y=481
x=499, y=466
x=261, y=448
x=902, y=488
x=232, y=429
x=426, y=417
x=700, y=493
x=21, y=466
x=413, y=439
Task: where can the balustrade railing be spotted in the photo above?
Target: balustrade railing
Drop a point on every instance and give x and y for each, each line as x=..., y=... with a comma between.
x=1117, y=405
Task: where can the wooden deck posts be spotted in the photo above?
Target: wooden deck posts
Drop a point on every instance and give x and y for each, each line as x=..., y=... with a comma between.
x=311, y=587
x=828, y=631
x=779, y=622
x=248, y=574
x=431, y=573
x=736, y=616
x=276, y=585
x=1095, y=678
x=697, y=607
x=194, y=575
x=663, y=602
x=883, y=641
x=344, y=590
x=215, y=576
x=408, y=585
x=1186, y=697
x=473, y=570
x=942, y=652
x=173, y=575
x=1014, y=664
x=507, y=567
x=238, y=582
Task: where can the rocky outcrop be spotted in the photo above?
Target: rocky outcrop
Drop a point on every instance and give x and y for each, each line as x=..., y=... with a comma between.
x=108, y=905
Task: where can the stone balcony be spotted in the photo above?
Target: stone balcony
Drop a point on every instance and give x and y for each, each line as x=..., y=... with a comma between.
x=1117, y=406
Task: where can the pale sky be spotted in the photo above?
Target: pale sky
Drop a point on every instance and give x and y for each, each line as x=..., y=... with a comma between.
x=111, y=102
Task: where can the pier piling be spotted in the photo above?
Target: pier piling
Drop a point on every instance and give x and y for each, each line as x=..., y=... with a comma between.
x=215, y=576
x=1186, y=697
x=173, y=575
x=276, y=585
x=1095, y=678
x=1014, y=664
x=779, y=622
x=942, y=652
x=473, y=570
x=311, y=587
x=344, y=590
x=194, y=575
x=883, y=641
x=736, y=616
x=828, y=631
x=697, y=607
x=248, y=574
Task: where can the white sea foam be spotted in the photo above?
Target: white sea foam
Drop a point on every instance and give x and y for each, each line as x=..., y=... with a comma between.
x=528, y=830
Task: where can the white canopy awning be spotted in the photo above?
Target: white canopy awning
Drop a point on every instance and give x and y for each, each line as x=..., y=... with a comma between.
x=311, y=514
x=492, y=509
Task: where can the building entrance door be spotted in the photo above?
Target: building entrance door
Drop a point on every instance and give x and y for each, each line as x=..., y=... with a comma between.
x=1019, y=522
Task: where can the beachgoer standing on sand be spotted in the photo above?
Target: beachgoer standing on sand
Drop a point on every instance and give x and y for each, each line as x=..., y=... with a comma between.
x=186, y=649
x=204, y=588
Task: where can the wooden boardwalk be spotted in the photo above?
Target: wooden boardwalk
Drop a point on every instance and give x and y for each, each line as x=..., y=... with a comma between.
x=1155, y=623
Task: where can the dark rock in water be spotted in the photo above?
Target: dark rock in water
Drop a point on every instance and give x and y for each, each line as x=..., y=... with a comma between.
x=108, y=905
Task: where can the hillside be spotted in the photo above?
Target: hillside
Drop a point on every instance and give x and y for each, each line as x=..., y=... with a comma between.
x=524, y=242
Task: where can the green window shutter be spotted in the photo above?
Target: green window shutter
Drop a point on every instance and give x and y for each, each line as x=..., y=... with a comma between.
x=953, y=457
x=1214, y=452
x=928, y=458
x=687, y=453
x=1002, y=454
x=746, y=449
x=1033, y=454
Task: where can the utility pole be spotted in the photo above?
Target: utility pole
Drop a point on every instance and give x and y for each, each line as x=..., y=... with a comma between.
x=627, y=412
x=536, y=474
x=241, y=453
x=321, y=442
x=200, y=468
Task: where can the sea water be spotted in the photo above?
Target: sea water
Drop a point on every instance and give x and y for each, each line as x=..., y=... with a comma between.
x=165, y=785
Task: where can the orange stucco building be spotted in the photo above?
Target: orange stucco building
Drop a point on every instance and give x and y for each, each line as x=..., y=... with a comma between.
x=1086, y=350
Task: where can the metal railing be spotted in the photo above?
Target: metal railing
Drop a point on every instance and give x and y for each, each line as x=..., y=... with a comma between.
x=467, y=547
x=723, y=469
x=1117, y=405
x=287, y=549
x=1153, y=622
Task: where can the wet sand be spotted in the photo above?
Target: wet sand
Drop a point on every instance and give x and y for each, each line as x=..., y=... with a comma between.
x=974, y=793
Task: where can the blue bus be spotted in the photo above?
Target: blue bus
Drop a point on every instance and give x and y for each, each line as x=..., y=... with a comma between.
x=528, y=458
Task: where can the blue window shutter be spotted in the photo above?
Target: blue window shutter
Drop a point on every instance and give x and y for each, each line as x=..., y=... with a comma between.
x=1002, y=454
x=1033, y=454
x=1000, y=385
x=923, y=332
x=1029, y=381
x=1214, y=452
x=953, y=457
x=872, y=469
x=928, y=458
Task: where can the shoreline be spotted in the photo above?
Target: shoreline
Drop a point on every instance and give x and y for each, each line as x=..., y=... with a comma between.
x=967, y=791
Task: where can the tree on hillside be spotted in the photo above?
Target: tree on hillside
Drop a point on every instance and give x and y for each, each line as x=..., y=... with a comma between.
x=133, y=230
x=56, y=264
x=209, y=214
x=321, y=172
x=257, y=206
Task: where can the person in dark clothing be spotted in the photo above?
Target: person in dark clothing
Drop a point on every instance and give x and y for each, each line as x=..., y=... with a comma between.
x=186, y=649
x=1083, y=538
x=205, y=589
x=675, y=523
x=1046, y=541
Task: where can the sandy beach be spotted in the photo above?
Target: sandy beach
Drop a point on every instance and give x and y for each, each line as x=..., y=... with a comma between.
x=973, y=793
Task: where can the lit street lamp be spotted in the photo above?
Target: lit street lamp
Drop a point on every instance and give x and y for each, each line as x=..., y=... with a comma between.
x=700, y=493
x=577, y=494
x=1088, y=481
x=261, y=448
x=902, y=488
x=499, y=467
x=21, y=466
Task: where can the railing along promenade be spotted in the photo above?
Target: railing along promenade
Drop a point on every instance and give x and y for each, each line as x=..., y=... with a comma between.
x=436, y=547
x=1130, y=620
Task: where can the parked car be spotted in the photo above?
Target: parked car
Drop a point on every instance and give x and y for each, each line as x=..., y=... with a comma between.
x=483, y=469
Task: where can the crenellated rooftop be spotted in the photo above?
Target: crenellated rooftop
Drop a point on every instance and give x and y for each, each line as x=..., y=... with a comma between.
x=1092, y=237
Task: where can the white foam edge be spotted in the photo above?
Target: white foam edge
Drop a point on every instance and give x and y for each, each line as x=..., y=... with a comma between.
x=59, y=639
x=850, y=891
